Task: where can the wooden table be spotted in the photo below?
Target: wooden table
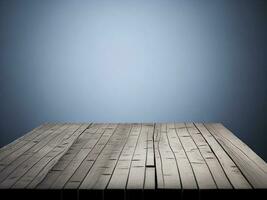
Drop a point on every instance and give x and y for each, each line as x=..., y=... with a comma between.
x=131, y=161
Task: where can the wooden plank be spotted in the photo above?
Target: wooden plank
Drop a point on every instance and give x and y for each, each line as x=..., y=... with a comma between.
x=13, y=161
x=81, y=143
x=12, y=154
x=129, y=158
x=169, y=165
x=123, y=153
x=58, y=146
x=30, y=180
x=150, y=171
x=66, y=174
x=201, y=170
x=138, y=164
x=216, y=169
x=158, y=160
x=18, y=143
x=150, y=147
x=97, y=147
x=66, y=158
x=236, y=178
x=228, y=135
x=23, y=163
x=35, y=155
x=107, y=157
x=121, y=172
x=150, y=178
x=84, y=141
x=187, y=176
x=254, y=173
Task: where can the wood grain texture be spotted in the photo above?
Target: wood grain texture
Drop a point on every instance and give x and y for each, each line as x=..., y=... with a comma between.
x=249, y=163
x=119, y=158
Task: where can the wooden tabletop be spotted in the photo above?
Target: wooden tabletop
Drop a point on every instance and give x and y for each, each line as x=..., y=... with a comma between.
x=130, y=161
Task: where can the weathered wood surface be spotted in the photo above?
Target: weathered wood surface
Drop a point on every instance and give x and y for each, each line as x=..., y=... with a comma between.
x=101, y=160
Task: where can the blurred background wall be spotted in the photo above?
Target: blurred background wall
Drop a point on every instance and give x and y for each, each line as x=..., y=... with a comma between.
x=134, y=61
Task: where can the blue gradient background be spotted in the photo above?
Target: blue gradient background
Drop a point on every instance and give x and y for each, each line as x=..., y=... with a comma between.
x=134, y=61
